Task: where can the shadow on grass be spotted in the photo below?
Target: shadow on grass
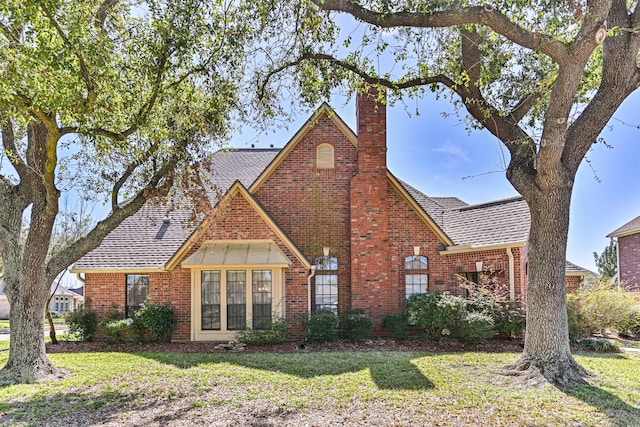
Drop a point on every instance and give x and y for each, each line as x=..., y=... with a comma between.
x=64, y=409
x=388, y=370
x=618, y=411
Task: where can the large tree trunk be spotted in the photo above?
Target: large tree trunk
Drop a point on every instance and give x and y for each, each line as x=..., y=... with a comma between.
x=547, y=349
x=27, y=284
x=28, y=362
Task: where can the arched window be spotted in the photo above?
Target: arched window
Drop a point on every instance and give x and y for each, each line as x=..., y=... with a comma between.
x=324, y=156
x=327, y=283
x=416, y=275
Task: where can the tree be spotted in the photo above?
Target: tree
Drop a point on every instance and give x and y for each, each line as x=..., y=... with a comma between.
x=607, y=261
x=101, y=100
x=543, y=77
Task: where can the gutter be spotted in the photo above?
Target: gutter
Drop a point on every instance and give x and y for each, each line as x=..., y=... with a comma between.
x=309, y=277
x=512, y=276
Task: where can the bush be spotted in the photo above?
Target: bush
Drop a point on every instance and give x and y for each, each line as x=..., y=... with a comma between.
x=437, y=313
x=601, y=308
x=492, y=297
x=396, y=325
x=476, y=327
x=157, y=319
x=83, y=323
x=630, y=324
x=276, y=335
x=577, y=325
x=600, y=345
x=357, y=325
x=117, y=330
x=322, y=326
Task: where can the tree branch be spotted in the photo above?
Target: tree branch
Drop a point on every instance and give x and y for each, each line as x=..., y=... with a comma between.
x=158, y=186
x=11, y=150
x=129, y=171
x=484, y=15
x=103, y=10
x=471, y=59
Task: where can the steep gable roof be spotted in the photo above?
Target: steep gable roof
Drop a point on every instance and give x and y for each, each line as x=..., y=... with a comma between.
x=632, y=227
x=324, y=109
x=145, y=243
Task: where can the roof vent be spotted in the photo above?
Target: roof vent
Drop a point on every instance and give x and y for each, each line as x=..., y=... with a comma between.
x=253, y=145
x=271, y=146
x=166, y=220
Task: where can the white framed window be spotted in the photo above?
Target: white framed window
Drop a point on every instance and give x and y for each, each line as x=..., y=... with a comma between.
x=416, y=275
x=327, y=283
x=324, y=156
x=232, y=299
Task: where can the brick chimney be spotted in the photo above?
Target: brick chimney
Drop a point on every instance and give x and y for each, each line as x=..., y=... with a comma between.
x=370, y=267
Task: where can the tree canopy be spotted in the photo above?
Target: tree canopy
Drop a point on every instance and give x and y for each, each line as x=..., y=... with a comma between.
x=607, y=261
x=107, y=101
x=543, y=77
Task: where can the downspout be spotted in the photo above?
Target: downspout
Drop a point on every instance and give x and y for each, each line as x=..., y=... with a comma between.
x=313, y=273
x=618, y=262
x=84, y=283
x=512, y=276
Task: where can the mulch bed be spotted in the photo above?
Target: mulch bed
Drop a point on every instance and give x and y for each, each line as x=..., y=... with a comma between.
x=445, y=345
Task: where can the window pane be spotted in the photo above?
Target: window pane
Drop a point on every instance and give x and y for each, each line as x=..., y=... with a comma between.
x=137, y=292
x=416, y=284
x=236, y=300
x=262, y=288
x=210, y=287
x=416, y=262
x=327, y=292
x=325, y=263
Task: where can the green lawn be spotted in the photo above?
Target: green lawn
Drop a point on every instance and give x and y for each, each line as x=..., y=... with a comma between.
x=351, y=388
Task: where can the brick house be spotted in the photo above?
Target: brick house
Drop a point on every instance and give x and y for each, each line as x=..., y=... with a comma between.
x=319, y=224
x=628, y=242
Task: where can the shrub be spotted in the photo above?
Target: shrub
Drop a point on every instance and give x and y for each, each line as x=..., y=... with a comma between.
x=600, y=345
x=83, y=323
x=117, y=330
x=322, y=326
x=157, y=319
x=275, y=335
x=492, y=297
x=577, y=325
x=475, y=328
x=630, y=324
x=357, y=325
x=601, y=308
x=396, y=325
x=437, y=313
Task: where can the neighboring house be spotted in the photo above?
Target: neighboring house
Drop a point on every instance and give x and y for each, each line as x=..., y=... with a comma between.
x=628, y=242
x=62, y=301
x=319, y=224
x=576, y=276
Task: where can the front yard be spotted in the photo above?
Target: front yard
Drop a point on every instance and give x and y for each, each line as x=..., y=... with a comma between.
x=319, y=389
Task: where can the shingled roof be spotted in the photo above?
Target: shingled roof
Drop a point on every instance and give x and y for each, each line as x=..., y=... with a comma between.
x=487, y=224
x=631, y=227
x=145, y=241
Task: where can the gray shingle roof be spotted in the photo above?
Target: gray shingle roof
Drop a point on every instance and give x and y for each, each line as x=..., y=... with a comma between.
x=629, y=228
x=495, y=223
x=574, y=268
x=144, y=242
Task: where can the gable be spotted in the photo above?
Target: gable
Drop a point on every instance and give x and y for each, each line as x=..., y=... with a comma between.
x=325, y=111
x=239, y=217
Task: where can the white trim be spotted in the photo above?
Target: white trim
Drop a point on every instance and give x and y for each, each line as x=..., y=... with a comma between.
x=460, y=249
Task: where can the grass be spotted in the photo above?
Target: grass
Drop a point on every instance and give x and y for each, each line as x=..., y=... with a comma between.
x=351, y=388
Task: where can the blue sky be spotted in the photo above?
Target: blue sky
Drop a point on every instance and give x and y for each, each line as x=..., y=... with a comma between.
x=438, y=156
